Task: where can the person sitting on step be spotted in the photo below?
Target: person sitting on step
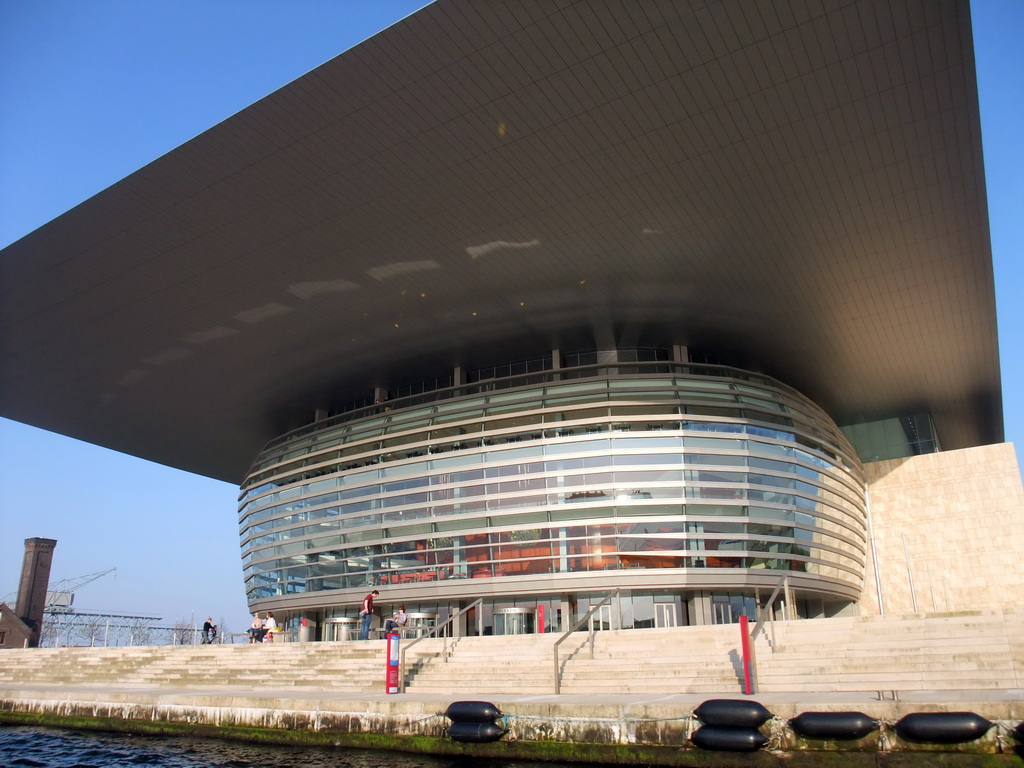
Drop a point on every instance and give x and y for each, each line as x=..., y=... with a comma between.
x=398, y=620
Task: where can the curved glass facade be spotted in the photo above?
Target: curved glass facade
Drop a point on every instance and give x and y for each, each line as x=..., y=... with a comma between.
x=660, y=478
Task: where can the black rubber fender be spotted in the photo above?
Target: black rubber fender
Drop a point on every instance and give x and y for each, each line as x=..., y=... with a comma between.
x=724, y=739
x=472, y=712
x=733, y=713
x=833, y=725
x=942, y=727
x=478, y=733
x=1018, y=732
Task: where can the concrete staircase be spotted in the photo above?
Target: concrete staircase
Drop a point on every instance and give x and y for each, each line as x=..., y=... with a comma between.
x=314, y=666
x=979, y=650
x=975, y=650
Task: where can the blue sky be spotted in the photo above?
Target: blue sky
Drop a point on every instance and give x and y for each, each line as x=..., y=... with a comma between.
x=92, y=91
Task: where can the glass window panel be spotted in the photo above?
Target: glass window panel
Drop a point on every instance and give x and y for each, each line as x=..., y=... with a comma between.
x=639, y=477
x=558, y=390
x=416, y=467
x=620, y=411
x=776, y=482
x=586, y=413
x=400, y=485
x=646, y=442
x=496, y=410
x=322, y=485
x=715, y=460
x=700, y=384
x=811, y=474
x=712, y=426
x=524, y=519
x=688, y=397
x=354, y=493
x=777, y=434
x=447, y=432
x=769, y=417
x=579, y=446
x=457, y=524
x=627, y=460
x=708, y=410
x=766, y=404
x=713, y=443
x=772, y=464
x=715, y=509
x=632, y=511
x=452, y=413
x=572, y=512
x=504, y=397
x=553, y=402
x=515, y=454
x=458, y=460
x=514, y=423
x=707, y=476
x=811, y=490
x=358, y=478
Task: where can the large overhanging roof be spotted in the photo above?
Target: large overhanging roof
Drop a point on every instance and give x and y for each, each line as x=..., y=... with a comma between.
x=796, y=185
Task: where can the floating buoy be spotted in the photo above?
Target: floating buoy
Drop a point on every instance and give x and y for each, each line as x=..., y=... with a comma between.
x=732, y=713
x=472, y=712
x=478, y=733
x=724, y=739
x=833, y=725
x=942, y=727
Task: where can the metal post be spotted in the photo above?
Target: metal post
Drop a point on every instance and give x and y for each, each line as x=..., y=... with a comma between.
x=910, y=573
x=874, y=556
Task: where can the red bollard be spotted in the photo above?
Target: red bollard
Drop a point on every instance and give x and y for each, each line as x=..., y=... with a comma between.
x=748, y=657
x=392, y=684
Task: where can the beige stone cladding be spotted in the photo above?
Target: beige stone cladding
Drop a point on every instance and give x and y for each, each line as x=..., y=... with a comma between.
x=948, y=531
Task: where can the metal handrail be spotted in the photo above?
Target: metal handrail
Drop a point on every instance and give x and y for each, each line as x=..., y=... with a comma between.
x=768, y=614
x=433, y=633
x=577, y=625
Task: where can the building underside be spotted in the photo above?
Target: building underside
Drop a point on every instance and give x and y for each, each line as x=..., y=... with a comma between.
x=532, y=301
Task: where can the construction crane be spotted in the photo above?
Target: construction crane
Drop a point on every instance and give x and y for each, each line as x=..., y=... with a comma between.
x=60, y=596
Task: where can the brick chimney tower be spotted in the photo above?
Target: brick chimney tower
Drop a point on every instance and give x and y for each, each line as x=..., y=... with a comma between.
x=35, y=578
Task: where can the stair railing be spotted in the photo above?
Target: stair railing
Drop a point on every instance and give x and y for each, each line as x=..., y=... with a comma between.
x=766, y=614
x=433, y=632
x=593, y=609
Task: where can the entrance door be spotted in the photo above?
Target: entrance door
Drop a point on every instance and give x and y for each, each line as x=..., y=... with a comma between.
x=602, y=619
x=665, y=615
x=340, y=629
x=512, y=621
x=515, y=624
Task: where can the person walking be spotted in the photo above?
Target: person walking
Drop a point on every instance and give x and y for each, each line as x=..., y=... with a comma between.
x=366, y=614
x=207, y=631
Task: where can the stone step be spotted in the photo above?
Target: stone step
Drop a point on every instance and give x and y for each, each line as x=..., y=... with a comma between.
x=979, y=650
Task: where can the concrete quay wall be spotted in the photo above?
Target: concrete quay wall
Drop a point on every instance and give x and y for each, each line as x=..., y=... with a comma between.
x=650, y=730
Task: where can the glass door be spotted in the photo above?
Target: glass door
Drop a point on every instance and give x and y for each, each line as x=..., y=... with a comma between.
x=665, y=615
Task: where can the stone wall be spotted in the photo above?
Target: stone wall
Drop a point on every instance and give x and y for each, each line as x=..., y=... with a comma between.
x=951, y=524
